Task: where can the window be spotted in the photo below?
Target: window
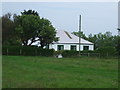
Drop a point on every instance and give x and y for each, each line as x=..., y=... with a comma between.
x=85, y=47
x=73, y=47
x=60, y=47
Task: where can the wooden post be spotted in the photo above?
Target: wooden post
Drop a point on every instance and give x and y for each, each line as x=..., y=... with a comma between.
x=7, y=51
x=36, y=52
x=99, y=55
x=20, y=51
x=88, y=54
x=107, y=54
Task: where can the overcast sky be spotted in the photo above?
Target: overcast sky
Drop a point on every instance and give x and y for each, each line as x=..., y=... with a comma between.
x=96, y=16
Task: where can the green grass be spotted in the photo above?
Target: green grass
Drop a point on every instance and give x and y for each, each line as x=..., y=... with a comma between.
x=49, y=72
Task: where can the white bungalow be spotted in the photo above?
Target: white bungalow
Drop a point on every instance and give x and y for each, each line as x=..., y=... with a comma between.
x=68, y=41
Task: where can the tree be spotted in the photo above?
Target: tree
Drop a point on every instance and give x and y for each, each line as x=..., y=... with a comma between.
x=93, y=39
x=108, y=39
x=26, y=27
x=80, y=34
x=8, y=30
x=30, y=12
x=30, y=26
x=0, y=33
x=47, y=33
x=107, y=51
x=102, y=40
x=117, y=44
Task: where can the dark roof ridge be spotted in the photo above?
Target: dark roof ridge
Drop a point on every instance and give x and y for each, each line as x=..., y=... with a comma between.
x=68, y=34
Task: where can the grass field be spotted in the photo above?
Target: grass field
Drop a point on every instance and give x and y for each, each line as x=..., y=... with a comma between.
x=49, y=72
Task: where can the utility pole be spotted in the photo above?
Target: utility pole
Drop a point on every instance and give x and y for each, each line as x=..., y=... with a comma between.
x=79, y=33
x=118, y=32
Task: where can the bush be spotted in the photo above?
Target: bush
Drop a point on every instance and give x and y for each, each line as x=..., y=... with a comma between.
x=70, y=53
x=73, y=53
x=106, y=51
x=67, y=53
x=26, y=51
x=8, y=50
x=87, y=51
x=45, y=52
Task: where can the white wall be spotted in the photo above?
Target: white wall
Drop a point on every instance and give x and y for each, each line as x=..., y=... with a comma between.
x=81, y=47
x=91, y=47
x=68, y=46
x=53, y=46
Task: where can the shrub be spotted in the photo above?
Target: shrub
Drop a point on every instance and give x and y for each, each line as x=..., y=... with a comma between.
x=10, y=50
x=45, y=52
x=107, y=51
x=67, y=53
x=87, y=51
x=70, y=53
x=26, y=51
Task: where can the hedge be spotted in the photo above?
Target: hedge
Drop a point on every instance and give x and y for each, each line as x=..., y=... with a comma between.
x=67, y=53
x=36, y=51
x=107, y=51
x=26, y=51
x=70, y=53
x=102, y=52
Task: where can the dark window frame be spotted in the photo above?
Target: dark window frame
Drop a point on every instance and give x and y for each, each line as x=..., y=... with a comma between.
x=85, y=47
x=60, y=47
x=73, y=47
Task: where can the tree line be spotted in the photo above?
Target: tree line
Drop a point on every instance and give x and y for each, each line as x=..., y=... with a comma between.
x=103, y=41
x=23, y=29
x=29, y=27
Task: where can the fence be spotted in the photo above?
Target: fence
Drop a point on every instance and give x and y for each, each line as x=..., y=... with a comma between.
x=26, y=51
x=35, y=51
x=100, y=55
x=90, y=54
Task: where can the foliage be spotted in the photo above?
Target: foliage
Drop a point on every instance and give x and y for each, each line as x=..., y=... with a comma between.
x=67, y=53
x=87, y=51
x=107, y=51
x=80, y=34
x=102, y=40
x=47, y=33
x=8, y=36
x=26, y=51
x=70, y=53
x=26, y=27
x=7, y=26
x=118, y=45
x=106, y=42
x=30, y=12
x=30, y=26
x=100, y=52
